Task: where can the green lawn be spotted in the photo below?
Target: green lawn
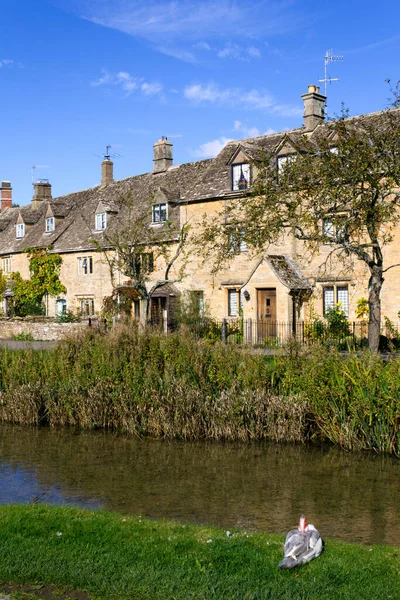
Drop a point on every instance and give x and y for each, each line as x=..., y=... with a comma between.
x=112, y=556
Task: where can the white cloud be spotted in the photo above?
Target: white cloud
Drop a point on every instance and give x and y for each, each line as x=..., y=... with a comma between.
x=6, y=62
x=252, y=99
x=173, y=26
x=211, y=149
x=250, y=132
x=129, y=84
x=236, y=52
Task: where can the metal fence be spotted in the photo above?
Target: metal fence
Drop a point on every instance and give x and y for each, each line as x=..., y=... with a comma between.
x=277, y=333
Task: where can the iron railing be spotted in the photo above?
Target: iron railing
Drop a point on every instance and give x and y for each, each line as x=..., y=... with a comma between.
x=278, y=333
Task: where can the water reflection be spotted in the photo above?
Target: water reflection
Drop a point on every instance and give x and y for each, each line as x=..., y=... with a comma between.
x=262, y=486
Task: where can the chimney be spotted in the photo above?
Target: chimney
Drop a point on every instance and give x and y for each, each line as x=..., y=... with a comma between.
x=314, y=104
x=107, y=176
x=6, y=195
x=162, y=155
x=42, y=191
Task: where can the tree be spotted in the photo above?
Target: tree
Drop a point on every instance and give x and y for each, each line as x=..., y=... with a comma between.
x=44, y=268
x=133, y=247
x=342, y=188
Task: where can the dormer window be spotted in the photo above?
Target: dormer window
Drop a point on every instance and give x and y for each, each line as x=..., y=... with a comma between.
x=159, y=214
x=284, y=160
x=20, y=230
x=50, y=224
x=240, y=177
x=101, y=221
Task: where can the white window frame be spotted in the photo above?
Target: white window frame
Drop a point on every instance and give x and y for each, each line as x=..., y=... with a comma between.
x=237, y=171
x=101, y=221
x=6, y=264
x=159, y=213
x=237, y=242
x=235, y=302
x=283, y=159
x=50, y=224
x=85, y=265
x=20, y=230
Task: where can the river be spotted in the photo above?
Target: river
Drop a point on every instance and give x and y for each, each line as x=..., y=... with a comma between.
x=350, y=496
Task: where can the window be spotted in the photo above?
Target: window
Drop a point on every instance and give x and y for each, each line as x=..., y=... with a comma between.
x=337, y=232
x=235, y=303
x=50, y=224
x=85, y=265
x=20, y=228
x=283, y=160
x=196, y=304
x=237, y=242
x=240, y=176
x=86, y=306
x=341, y=293
x=159, y=213
x=6, y=264
x=145, y=263
x=327, y=228
x=101, y=221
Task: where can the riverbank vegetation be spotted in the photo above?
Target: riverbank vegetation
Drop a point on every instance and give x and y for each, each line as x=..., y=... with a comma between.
x=177, y=387
x=110, y=556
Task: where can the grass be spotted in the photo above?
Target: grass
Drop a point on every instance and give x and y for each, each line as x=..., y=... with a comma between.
x=110, y=556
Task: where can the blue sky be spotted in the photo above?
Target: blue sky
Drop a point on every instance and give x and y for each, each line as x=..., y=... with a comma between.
x=79, y=74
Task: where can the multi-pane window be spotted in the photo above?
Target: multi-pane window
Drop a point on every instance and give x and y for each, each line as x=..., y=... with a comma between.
x=237, y=242
x=240, y=176
x=20, y=230
x=334, y=295
x=283, y=160
x=328, y=228
x=6, y=264
x=86, y=306
x=159, y=212
x=101, y=221
x=235, y=303
x=50, y=224
x=85, y=265
x=145, y=263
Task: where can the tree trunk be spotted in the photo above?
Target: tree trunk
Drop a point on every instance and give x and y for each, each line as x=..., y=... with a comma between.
x=374, y=302
x=144, y=312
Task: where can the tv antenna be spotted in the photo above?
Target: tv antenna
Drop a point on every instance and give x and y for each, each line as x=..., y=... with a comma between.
x=328, y=59
x=108, y=155
x=34, y=167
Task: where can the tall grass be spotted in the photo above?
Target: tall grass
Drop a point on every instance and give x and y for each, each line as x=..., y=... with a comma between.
x=150, y=385
x=176, y=387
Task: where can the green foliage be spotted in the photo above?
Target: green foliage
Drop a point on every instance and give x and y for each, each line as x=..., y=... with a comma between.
x=108, y=555
x=362, y=309
x=23, y=337
x=176, y=387
x=337, y=322
x=68, y=316
x=29, y=293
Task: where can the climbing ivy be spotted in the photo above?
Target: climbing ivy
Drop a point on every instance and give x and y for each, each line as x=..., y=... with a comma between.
x=44, y=268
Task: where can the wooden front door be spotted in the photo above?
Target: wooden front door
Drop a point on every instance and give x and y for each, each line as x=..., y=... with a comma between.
x=266, y=314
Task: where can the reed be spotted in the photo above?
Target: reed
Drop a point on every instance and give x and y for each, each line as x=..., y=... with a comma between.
x=177, y=387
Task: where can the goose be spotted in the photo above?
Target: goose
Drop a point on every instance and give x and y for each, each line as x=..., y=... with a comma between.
x=301, y=545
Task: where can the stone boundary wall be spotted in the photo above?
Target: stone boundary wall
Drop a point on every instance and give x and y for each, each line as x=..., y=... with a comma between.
x=45, y=330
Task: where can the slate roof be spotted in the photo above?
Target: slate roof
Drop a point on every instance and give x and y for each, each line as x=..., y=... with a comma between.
x=287, y=272
x=203, y=180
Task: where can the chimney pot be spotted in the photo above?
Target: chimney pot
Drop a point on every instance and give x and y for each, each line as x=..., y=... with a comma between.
x=6, y=195
x=314, y=105
x=162, y=159
x=107, y=172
